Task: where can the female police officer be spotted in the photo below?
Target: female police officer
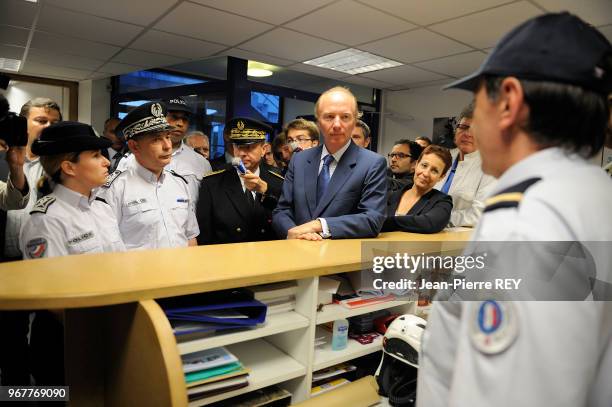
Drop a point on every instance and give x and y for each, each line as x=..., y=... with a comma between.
x=69, y=219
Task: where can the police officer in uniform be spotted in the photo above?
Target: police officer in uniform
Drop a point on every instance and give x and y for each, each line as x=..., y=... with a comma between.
x=540, y=112
x=152, y=204
x=234, y=207
x=185, y=161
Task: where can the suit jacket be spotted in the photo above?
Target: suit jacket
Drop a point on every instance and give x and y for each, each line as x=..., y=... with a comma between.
x=224, y=214
x=430, y=214
x=353, y=204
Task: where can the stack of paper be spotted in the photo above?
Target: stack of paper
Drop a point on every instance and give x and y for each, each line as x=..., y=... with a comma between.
x=213, y=371
x=278, y=297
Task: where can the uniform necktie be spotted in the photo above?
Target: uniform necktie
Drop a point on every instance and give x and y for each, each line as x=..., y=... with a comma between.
x=451, y=175
x=324, y=177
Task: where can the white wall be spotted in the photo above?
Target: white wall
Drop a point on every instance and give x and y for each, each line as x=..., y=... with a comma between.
x=295, y=107
x=19, y=92
x=410, y=113
x=94, y=102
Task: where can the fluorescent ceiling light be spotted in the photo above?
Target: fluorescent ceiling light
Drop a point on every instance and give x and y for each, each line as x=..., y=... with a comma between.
x=353, y=61
x=259, y=72
x=210, y=112
x=10, y=64
x=32, y=1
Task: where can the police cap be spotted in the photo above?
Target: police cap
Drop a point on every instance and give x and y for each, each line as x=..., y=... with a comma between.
x=244, y=130
x=147, y=118
x=177, y=105
x=68, y=137
x=556, y=47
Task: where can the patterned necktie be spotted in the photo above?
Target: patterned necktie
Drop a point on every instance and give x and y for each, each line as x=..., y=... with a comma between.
x=324, y=177
x=449, y=180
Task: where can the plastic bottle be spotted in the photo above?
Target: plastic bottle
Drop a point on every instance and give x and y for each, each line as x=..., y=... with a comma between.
x=340, y=334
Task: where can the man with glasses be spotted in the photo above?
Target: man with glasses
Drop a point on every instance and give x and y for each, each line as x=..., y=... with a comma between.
x=336, y=190
x=302, y=134
x=465, y=182
x=402, y=160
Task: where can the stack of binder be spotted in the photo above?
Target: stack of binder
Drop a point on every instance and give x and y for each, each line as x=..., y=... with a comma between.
x=213, y=371
x=211, y=312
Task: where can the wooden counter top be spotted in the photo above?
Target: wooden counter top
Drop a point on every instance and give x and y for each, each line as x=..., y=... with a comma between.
x=114, y=278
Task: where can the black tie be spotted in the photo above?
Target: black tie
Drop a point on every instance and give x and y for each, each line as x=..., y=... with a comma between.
x=249, y=197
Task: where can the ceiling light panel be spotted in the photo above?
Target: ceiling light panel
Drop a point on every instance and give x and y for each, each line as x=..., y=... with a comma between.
x=10, y=64
x=353, y=61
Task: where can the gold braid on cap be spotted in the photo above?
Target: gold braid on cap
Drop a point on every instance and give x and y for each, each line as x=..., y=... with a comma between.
x=247, y=134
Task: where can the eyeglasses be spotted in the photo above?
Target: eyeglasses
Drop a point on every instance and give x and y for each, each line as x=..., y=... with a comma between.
x=462, y=127
x=299, y=139
x=344, y=117
x=401, y=156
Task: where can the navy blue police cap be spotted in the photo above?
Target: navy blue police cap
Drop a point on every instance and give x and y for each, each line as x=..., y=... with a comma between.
x=244, y=130
x=177, y=105
x=68, y=137
x=147, y=118
x=556, y=47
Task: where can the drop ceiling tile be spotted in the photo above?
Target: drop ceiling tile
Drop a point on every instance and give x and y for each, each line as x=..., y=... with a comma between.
x=606, y=31
x=18, y=13
x=402, y=75
x=87, y=27
x=417, y=45
x=254, y=56
x=51, y=71
x=60, y=43
x=171, y=44
x=456, y=65
x=349, y=23
x=11, y=51
x=47, y=57
x=136, y=12
x=214, y=67
x=271, y=11
x=197, y=21
x=142, y=58
x=492, y=24
x=115, y=68
x=315, y=70
x=13, y=35
x=363, y=81
x=291, y=45
x=594, y=12
x=440, y=83
x=424, y=12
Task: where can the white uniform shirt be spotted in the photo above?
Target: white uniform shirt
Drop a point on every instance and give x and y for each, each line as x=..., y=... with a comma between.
x=16, y=219
x=561, y=352
x=469, y=189
x=66, y=222
x=151, y=213
x=191, y=165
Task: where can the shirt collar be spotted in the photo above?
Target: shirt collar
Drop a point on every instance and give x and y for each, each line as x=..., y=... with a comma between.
x=338, y=154
x=148, y=175
x=178, y=150
x=73, y=198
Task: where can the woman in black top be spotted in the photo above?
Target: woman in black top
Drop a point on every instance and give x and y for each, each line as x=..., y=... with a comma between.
x=420, y=208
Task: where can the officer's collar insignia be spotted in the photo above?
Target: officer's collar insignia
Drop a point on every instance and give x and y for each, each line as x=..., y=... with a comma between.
x=43, y=204
x=276, y=174
x=156, y=110
x=214, y=173
x=111, y=178
x=494, y=326
x=36, y=248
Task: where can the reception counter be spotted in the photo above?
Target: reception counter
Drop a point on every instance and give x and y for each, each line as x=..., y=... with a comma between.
x=120, y=349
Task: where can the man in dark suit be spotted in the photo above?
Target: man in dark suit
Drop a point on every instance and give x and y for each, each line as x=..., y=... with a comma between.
x=238, y=208
x=336, y=190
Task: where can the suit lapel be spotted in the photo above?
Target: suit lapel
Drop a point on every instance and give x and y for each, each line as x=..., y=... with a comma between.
x=233, y=189
x=311, y=173
x=341, y=174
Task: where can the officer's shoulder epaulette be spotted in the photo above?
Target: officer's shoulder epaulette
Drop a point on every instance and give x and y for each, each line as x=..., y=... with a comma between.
x=180, y=176
x=276, y=174
x=43, y=204
x=509, y=197
x=111, y=178
x=214, y=173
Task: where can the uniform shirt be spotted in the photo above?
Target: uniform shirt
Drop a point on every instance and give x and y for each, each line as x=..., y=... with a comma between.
x=17, y=218
x=11, y=197
x=66, y=222
x=152, y=213
x=469, y=189
x=191, y=165
x=561, y=352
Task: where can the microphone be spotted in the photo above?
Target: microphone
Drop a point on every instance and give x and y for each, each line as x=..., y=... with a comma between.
x=237, y=164
x=295, y=147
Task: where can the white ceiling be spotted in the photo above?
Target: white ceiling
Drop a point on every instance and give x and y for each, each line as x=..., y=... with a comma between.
x=438, y=40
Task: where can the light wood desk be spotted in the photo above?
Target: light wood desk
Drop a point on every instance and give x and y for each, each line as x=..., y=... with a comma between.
x=120, y=349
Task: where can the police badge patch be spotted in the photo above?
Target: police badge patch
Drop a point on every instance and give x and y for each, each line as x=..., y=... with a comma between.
x=36, y=248
x=494, y=326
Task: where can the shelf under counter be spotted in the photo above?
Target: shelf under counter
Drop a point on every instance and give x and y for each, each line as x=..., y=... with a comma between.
x=332, y=312
x=324, y=356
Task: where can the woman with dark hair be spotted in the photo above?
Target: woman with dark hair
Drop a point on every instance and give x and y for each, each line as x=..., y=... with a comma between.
x=69, y=219
x=420, y=208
